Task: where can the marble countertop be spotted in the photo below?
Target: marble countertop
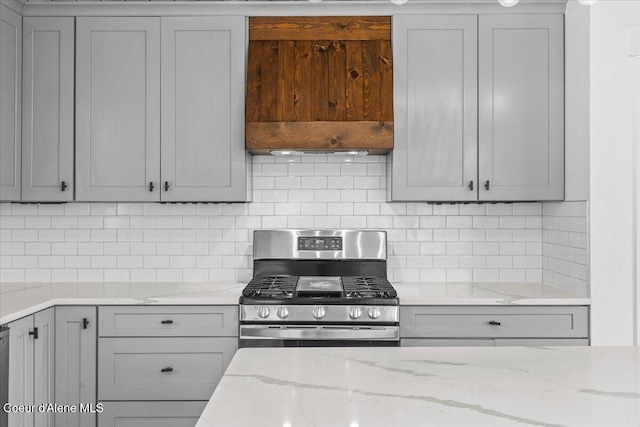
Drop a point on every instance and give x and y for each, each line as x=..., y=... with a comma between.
x=479, y=293
x=371, y=387
x=21, y=299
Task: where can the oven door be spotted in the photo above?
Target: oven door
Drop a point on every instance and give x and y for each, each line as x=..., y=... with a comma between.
x=318, y=335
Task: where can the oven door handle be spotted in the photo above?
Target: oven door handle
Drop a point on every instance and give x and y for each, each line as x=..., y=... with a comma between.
x=325, y=332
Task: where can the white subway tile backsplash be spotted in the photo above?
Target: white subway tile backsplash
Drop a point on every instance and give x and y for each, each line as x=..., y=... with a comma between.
x=564, y=243
x=199, y=242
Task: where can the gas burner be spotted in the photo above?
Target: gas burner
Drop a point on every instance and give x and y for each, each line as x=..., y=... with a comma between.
x=368, y=287
x=271, y=287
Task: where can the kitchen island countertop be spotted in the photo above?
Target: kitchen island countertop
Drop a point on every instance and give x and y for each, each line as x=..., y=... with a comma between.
x=22, y=299
x=384, y=387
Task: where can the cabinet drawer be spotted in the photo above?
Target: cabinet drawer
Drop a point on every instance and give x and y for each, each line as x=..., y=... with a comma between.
x=417, y=342
x=494, y=322
x=150, y=414
x=168, y=321
x=162, y=368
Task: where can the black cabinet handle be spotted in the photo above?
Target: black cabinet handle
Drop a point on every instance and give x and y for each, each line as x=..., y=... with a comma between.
x=151, y=186
x=63, y=186
x=85, y=323
x=166, y=370
x=494, y=323
x=486, y=185
x=34, y=333
x=470, y=185
x=166, y=186
x=167, y=322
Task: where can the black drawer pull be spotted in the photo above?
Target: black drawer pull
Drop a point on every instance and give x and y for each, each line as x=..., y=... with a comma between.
x=486, y=185
x=85, y=323
x=151, y=186
x=166, y=370
x=167, y=322
x=34, y=333
x=166, y=186
x=470, y=185
x=63, y=186
x=494, y=323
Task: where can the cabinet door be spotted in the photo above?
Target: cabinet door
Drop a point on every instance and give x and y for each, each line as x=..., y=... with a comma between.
x=43, y=358
x=435, y=85
x=151, y=414
x=47, y=114
x=75, y=363
x=162, y=368
x=21, y=370
x=10, y=79
x=521, y=98
x=118, y=109
x=203, y=155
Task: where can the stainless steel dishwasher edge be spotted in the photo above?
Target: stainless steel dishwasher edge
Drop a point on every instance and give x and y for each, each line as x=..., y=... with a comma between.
x=4, y=374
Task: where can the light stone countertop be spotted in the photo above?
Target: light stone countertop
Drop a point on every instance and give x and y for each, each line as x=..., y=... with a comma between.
x=446, y=386
x=22, y=299
x=480, y=293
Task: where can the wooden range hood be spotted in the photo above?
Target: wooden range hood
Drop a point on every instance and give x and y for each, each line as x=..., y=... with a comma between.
x=319, y=84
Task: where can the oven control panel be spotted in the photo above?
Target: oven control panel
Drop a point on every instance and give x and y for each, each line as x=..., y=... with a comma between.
x=319, y=243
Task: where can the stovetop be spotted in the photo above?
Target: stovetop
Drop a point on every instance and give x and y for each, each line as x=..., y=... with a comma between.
x=313, y=290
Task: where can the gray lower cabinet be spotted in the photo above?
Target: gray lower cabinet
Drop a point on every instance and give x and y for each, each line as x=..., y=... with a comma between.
x=435, y=84
x=203, y=155
x=10, y=103
x=162, y=368
x=169, y=321
x=118, y=109
x=521, y=107
x=515, y=325
x=158, y=366
x=150, y=414
x=31, y=367
x=47, y=113
x=75, y=363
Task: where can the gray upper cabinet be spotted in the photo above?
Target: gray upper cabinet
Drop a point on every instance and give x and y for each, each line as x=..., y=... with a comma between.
x=47, y=114
x=435, y=84
x=521, y=93
x=203, y=155
x=479, y=108
x=118, y=109
x=10, y=82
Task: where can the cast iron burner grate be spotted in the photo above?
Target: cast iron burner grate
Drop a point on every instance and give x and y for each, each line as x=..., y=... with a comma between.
x=271, y=287
x=367, y=287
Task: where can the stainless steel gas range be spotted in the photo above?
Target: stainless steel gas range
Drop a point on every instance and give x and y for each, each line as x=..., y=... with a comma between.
x=319, y=288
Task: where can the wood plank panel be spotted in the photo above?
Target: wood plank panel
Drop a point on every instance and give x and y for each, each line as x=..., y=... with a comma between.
x=302, y=91
x=337, y=78
x=252, y=104
x=286, y=79
x=354, y=80
x=320, y=27
x=320, y=80
x=376, y=136
x=386, y=81
x=269, y=81
x=370, y=80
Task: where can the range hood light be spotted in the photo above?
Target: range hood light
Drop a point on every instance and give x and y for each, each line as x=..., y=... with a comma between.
x=315, y=153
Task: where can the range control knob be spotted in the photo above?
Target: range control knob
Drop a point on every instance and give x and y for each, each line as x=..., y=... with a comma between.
x=355, y=313
x=319, y=312
x=282, y=312
x=263, y=312
x=374, y=312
